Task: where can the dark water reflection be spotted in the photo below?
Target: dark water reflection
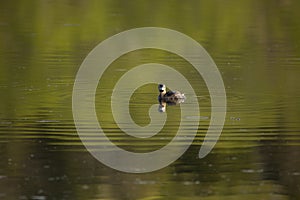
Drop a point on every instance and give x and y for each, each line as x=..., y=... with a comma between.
x=256, y=46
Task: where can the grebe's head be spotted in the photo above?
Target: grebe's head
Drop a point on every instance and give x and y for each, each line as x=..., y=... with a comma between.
x=162, y=88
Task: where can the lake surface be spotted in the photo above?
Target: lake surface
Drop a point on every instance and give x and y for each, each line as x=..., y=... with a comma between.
x=256, y=46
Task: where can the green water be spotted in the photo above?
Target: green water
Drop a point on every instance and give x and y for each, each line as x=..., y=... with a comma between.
x=256, y=46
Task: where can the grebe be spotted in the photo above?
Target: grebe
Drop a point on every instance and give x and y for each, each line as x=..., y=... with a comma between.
x=170, y=97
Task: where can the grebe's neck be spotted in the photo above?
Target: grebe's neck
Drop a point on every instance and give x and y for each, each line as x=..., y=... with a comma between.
x=162, y=93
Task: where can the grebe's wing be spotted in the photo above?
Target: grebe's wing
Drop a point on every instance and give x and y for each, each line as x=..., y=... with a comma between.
x=170, y=93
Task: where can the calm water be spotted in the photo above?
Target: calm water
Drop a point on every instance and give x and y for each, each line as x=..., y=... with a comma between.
x=256, y=46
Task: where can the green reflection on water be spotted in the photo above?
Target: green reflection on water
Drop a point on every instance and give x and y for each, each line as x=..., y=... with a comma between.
x=255, y=44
